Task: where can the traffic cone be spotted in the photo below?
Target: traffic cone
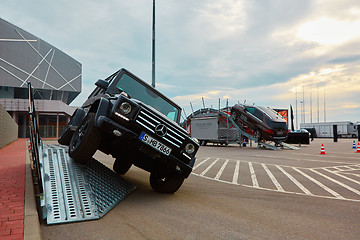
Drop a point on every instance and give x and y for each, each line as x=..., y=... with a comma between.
x=354, y=145
x=358, y=148
x=323, y=149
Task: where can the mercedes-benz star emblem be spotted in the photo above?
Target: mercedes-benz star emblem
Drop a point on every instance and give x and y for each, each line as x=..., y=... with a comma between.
x=161, y=130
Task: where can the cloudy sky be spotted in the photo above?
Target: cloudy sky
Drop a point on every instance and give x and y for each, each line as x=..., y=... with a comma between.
x=269, y=52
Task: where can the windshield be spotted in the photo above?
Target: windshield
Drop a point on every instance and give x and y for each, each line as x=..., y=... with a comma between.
x=147, y=95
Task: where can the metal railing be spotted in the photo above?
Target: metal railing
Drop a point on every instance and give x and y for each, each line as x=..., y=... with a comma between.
x=35, y=140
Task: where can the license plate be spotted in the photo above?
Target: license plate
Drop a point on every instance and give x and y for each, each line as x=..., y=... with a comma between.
x=155, y=144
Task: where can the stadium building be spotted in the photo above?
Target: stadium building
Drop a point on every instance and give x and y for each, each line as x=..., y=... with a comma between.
x=54, y=76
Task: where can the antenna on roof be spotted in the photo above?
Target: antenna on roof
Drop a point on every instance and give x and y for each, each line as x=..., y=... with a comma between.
x=184, y=113
x=192, y=108
x=203, y=101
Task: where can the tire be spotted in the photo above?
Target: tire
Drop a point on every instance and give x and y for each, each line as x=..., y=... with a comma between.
x=122, y=166
x=166, y=184
x=85, y=140
x=257, y=135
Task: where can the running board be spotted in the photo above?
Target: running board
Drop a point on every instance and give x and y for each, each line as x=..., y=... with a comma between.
x=75, y=192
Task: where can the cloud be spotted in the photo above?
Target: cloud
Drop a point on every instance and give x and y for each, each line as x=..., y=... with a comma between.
x=234, y=50
x=329, y=31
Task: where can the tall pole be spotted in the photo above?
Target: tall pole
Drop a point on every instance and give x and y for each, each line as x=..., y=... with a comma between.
x=303, y=102
x=153, y=46
x=324, y=103
x=317, y=94
x=310, y=103
x=296, y=105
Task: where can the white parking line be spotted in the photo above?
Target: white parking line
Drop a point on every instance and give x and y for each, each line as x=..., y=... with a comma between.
x=336, y=181
x=341, y=175
x=253, y=176
x=209, y=167
x=272, y=177
x=319, y=184
x=296, y=182
x=236, y=172
x=195, y=167
x=218, y=175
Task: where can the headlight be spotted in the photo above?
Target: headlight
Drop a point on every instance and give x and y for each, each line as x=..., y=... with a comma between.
x=125, y=108
x=189, y=148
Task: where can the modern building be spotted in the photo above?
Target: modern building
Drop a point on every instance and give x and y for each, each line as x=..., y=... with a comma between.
x=54, y=76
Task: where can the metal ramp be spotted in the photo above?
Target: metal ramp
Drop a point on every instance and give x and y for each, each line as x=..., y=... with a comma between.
x=286, y=145
x=68, y=191
x=251, y=137
x=73, y=192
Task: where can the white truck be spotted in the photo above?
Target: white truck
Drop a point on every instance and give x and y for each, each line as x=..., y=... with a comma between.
x=344, y=129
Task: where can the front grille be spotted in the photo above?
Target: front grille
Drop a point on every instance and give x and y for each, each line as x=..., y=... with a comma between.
x=149, y=121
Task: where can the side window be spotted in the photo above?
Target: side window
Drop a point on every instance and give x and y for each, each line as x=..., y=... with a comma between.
x=259, y=114
x=255, y=112
x=250, y=110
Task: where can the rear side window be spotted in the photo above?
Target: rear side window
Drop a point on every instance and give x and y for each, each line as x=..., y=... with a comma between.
x=255, y=112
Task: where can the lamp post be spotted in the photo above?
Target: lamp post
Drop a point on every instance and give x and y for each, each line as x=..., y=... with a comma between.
x=153, y=47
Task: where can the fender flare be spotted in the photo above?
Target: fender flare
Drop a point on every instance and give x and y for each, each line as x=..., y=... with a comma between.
x=70, y=128
x=102, y=109
x=78, y=117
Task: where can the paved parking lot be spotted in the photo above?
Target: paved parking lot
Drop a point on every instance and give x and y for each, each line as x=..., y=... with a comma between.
x=240, y=193
x=334, y=175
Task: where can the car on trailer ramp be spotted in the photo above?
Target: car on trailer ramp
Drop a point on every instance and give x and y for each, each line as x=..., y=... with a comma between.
x=265, y=123
x=137, y=125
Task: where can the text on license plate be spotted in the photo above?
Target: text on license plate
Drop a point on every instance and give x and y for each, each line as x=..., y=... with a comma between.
x=155, y=144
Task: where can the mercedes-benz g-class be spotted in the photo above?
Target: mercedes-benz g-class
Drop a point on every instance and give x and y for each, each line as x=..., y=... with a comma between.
x=137, y=125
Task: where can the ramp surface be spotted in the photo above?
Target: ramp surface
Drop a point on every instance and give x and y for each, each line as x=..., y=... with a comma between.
x=75, y=192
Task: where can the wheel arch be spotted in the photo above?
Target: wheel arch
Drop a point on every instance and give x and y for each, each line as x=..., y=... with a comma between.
x=100, y=108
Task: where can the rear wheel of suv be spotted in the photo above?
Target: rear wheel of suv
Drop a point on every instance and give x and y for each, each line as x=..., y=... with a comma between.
x=122, y=165
x=85, y=140
x=66, y=134
x=166, y=183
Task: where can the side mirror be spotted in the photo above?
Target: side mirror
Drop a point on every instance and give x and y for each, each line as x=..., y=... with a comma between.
x=102, y=84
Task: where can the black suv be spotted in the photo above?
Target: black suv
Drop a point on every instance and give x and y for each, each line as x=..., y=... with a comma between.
x=136, y=124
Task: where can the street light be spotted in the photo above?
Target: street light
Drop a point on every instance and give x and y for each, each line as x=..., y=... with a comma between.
x=153, y=47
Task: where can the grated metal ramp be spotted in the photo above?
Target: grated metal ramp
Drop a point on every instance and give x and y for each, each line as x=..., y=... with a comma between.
x=286, y=145
x=75, y=192
x=251, y=137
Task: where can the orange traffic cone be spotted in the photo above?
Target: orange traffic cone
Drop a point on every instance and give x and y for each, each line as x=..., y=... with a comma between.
x=358, y=148
x=323, y=149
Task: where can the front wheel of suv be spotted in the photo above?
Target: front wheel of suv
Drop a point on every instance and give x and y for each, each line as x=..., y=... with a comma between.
x=166, y=183
x=85, y=140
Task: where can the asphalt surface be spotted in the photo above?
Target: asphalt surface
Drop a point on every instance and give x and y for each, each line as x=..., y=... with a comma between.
x=240, y=193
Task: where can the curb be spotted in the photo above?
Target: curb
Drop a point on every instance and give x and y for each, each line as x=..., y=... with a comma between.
x=32, y=230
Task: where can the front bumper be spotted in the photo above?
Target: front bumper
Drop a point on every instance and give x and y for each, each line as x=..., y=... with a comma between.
x=131, y=139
